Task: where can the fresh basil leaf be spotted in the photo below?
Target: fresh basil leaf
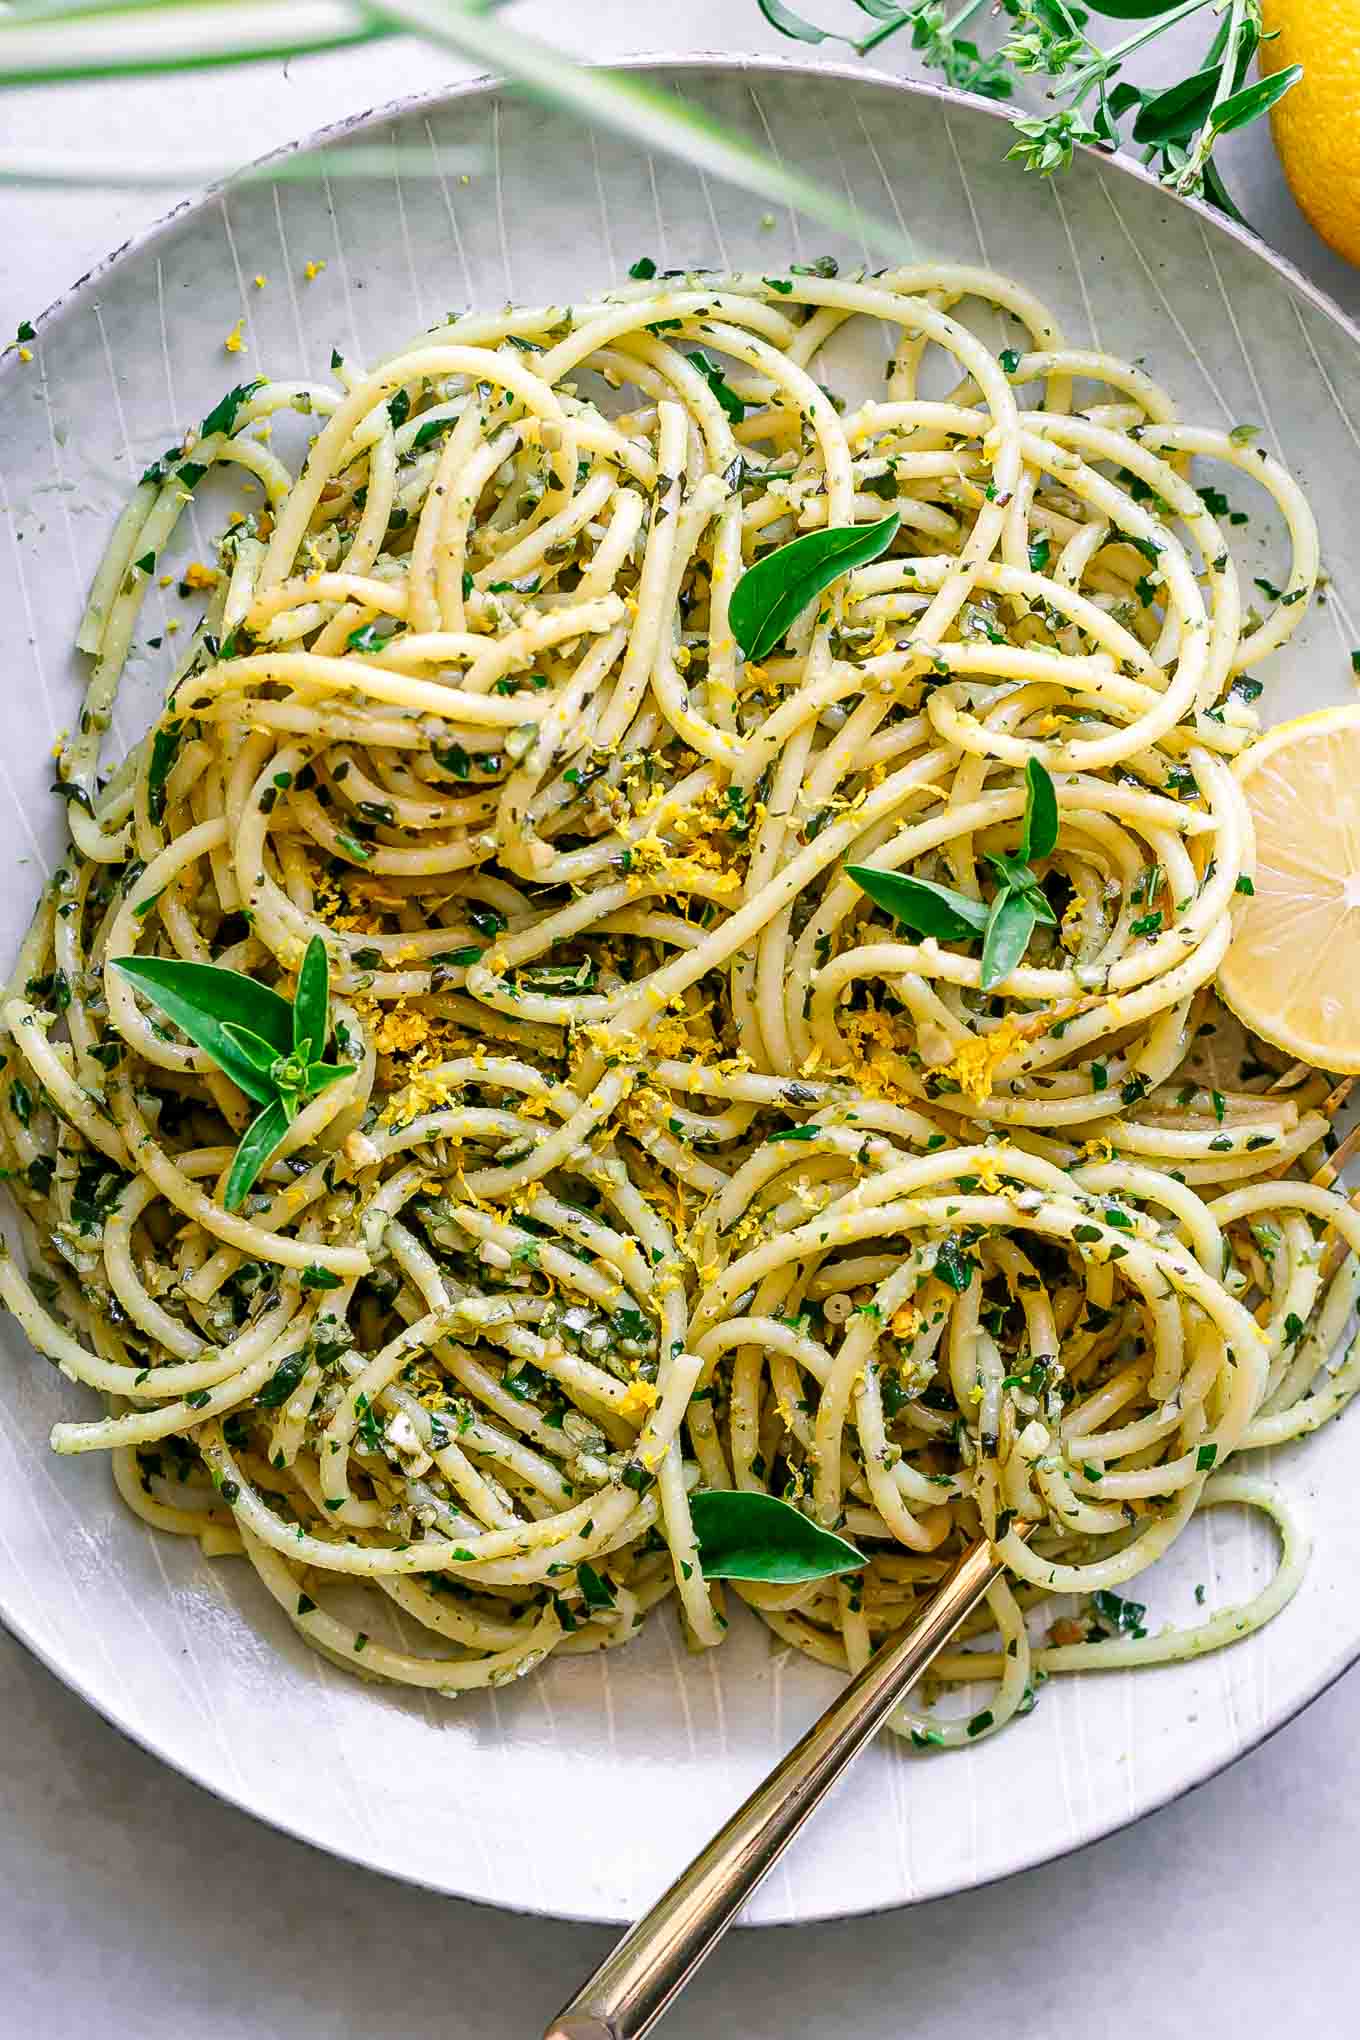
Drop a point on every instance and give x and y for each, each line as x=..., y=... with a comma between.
x=643, y=270
x=718, y=383
x=1254, y=100
x=321, y=1075
x=310, y=1023
x=1008, y=931
x=772, y=595
x=748, y=1536
x=260, y=1053
x=258, y=1143
x=1041, y=812
x=922, y=906
x=199, y=998
x=1013, y=872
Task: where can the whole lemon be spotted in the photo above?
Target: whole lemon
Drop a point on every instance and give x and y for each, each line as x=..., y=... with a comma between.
x=1317, y=123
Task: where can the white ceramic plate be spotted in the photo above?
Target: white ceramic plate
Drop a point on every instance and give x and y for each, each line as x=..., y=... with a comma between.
x=582, y=1791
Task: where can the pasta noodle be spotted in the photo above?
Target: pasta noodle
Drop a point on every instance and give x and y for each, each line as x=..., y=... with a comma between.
x=668, y=1159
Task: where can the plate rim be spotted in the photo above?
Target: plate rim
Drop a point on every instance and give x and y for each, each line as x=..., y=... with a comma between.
x=486, y=85
x=737, y=63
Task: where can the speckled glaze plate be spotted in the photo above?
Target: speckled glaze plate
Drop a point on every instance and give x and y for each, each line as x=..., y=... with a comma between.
x=582, y=1791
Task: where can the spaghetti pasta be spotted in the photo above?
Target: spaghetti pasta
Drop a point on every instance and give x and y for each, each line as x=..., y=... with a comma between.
x=667, y=1157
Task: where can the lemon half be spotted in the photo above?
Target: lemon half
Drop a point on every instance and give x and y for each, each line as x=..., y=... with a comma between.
x=1292, y=971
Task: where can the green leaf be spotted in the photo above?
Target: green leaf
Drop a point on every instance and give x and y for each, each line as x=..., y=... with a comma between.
x=1013, y=872
x=650, y=114
x=283, y=1381
x=953, y=1265
x=1131, y=10
x=596, y=1590
x=1175, y=114
x=1041, y=812
x=30, y=53
x=258, y=1143
x=165, y=744
x=1217, y=193
x=222, y=417
x=1254, y=100
x=429, y=431
x=643, y=270
x=1125, y=1618
x=1112, y=109
x=261, y=1053
x=314, y=1277
x=1008, y=931
x=718, y=383
x=772, y=595
x=199, y=998
x=793, y=25
x=311, y=1022
x=922, y=906
x=321, y=1075
x=745, y=1536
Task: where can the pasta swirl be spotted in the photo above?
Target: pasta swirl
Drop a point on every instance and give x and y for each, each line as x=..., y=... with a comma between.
x=668, y=1160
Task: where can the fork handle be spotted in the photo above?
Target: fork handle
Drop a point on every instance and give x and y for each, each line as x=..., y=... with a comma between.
x=634, y=1984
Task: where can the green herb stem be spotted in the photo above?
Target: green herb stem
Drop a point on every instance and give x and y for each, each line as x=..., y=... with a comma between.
x=1157, y=27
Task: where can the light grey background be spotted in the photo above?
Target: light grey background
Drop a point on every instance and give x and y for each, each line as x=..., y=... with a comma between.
x=135, y=1904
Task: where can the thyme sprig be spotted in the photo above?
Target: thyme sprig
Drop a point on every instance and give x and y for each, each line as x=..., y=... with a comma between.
x=1094, y=103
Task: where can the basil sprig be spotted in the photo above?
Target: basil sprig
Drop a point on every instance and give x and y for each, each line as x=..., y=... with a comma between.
x=770, y=596
x=752, y=1536
x=270, y=1048
x=1016, y=908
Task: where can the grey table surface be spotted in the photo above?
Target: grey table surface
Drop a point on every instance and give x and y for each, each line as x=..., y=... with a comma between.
x=133, y=1903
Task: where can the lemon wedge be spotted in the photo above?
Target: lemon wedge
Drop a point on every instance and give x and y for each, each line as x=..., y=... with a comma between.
x=1292, y=971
